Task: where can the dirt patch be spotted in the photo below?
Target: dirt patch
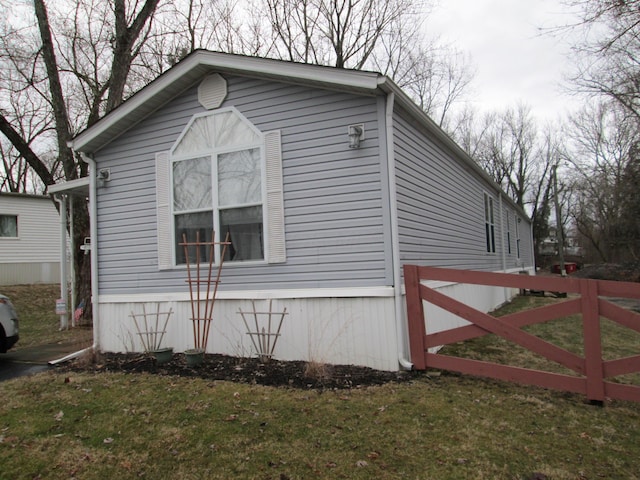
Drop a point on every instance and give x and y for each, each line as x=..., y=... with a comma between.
x=276, y=373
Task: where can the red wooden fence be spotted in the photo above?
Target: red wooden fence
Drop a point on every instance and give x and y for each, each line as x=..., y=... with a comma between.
x=592, y=370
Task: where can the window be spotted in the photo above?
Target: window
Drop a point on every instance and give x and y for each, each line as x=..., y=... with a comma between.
x=217, y=186
x=517, y=223
x=490, y=233
x=9, y=226
x=508, y=236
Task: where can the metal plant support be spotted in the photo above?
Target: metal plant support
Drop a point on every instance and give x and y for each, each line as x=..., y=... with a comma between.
x=264, y=339
x=152, y=334
x=201, y=315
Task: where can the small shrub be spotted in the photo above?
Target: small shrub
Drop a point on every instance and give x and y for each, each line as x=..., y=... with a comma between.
x=317, y=370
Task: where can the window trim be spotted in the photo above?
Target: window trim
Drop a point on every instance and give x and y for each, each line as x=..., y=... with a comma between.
x=215, y=209
x=273, y=210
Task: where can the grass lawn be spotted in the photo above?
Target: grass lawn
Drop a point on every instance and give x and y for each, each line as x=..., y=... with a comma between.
x=130, y=426
x=61, y=425
x=39, y=324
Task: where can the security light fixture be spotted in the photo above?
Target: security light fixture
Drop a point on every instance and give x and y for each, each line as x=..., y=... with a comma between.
x=356, y=135
x=104, y=175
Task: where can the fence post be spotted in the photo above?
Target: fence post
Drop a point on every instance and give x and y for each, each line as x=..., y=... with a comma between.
x=415, y=317
x=592, y=340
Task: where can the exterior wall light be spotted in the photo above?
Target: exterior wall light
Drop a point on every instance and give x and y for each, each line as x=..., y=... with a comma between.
x=104, y=176
x=356, y=135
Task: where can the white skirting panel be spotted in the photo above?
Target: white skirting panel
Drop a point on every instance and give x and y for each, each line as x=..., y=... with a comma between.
x=346, y=330
x=480, y=297
x=354, y=327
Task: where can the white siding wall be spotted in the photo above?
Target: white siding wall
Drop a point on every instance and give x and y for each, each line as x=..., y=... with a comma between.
x=34, y=256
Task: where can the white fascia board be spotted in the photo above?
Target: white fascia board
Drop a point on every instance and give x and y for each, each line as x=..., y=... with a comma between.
x=356, y=292
x=293, y=71
x=255, y=66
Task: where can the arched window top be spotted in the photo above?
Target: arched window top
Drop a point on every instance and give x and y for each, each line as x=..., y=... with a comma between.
x=222, y=129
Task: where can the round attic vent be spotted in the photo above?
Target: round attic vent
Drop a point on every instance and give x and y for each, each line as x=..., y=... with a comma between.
x=212, y=91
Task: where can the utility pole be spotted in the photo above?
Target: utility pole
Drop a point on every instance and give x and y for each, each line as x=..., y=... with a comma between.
x=559, y=233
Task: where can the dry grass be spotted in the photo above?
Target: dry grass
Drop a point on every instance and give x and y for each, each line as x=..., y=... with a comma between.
x=39, y=323
x=95, y=426
x=567, y=333
x=317, y=370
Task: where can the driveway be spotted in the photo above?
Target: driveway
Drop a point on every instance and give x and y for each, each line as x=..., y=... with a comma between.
x=30, y=360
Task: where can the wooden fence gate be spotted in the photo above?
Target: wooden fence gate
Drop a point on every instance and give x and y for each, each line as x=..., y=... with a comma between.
x=592, y=370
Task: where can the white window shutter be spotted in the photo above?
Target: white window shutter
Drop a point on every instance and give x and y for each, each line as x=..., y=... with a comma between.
x=163, y=210
x=275, y=202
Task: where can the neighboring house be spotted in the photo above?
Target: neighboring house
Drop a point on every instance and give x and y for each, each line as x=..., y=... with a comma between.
x=29, y=239
x=261, y=149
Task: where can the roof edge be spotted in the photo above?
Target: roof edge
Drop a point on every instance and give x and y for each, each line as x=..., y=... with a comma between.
x=79, y=184
x=227, y=63
x=387, y=85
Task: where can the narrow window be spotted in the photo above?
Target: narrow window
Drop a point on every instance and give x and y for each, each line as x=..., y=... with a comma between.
x=9, y=226
x=517, y=222
x=508, y=235
x=490, y=231
x=192, y=207
x=240, y=204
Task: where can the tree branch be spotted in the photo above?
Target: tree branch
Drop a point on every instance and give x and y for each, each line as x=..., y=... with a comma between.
x=25, y=150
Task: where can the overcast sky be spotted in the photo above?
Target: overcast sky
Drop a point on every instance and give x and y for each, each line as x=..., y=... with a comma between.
x=512, y=59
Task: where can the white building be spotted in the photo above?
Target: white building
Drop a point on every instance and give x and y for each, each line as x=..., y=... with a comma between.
x=29, y=239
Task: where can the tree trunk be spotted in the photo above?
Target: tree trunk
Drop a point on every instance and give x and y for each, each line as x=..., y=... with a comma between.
x=82, y=260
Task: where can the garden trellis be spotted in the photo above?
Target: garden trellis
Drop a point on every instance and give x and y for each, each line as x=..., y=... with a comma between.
x=201, y=315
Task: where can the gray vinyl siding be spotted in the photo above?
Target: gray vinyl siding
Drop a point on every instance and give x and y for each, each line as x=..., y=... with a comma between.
x=334, y=208
x=440, y=204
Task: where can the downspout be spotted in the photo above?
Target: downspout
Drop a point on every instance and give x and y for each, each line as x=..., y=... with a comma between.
x=401, y=334
x=72, y=267
x=93, y=234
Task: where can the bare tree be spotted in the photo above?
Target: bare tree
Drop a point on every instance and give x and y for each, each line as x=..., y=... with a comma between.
x=434, y=75
x=518, y=157
x=342, y=33
x=605, y=156
x=25, y=111
x=76, y=60
x=507, y=150
x=609, y=52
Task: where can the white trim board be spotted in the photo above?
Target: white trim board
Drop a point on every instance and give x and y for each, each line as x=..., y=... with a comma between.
x=360, y=292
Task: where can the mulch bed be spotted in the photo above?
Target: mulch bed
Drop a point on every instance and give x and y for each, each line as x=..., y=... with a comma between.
x=293, y=374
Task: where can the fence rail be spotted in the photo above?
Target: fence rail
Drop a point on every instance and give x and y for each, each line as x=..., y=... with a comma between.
x=592, y=370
